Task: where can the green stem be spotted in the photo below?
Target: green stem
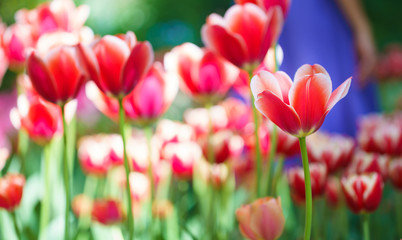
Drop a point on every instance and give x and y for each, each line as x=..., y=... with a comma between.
x=6, y=166
x=66, y=177
x=45, y=205
x=257, y=142
x=127, y=168
x=277, y=175
x=309, y=202
x=17, y=229
x=366, y=226
x=272, y=151
x=398, y=195
x=148, y=134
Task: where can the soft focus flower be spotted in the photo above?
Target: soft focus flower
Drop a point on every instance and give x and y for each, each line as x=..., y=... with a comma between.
x=333, y=191
x=364, y=162
x=162, y=209
x=172, y=132
x=268, y=4
x=225, y=146
x=318, y=176
x=298, y=108
x=5, y=149
x=138, y=153
x=262, y=219
x=182, y=156
x=238, y=113
x=381, y=134
x=263, y=135
x=117, y=63
x=40, y=119
x=140, y=186
x=58, y=76
x=287, y=145
x=215, y=174
x=81, y=205
x=94, y=154
x=199, y=119
x=395, y=172
x=244, y=35
x=11, y=189
x=107, y=211
x=204, y=75
x=363, y=192
x=152, y=96
x=334, y=150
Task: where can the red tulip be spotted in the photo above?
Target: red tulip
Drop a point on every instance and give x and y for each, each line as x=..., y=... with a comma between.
x=204, y=75
x=17, y=39
x=334, y=150
x=174, y=132
x=318, y=174
x=182, y=157
x=298, y=108
x=107, y=211
x=238, y=112
x=94, y=154
x=363, y=192
x=261, y=220
x=40, y=119
x=11, y=189
x=369, y=162
x=225, y=145
x=249, y=138
x=58, y=76
x=268, y=4
x=395, y=172
x=152, y=96
x=244, y=35
x=198, y=118
x=117, y=63
x=287, y=145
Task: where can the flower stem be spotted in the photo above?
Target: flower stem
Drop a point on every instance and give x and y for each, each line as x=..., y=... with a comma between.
x=66, y=177
x=272, y=151
x=366, y=226
x=148, y=134
x=45, y=205
x=17, y=229
x=127, y=168
x=277, y=175
x=309, y=202
x=399, y=212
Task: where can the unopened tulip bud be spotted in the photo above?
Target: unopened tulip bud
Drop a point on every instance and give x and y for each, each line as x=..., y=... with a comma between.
x=262, y=219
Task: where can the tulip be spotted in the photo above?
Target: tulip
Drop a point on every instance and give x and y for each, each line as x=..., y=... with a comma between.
x=41, y=120
x=117, y=63
x=11, y=189
x=174, y=132
x=238, y=112
x=318, y=173
x=289, y=105
x=225, y=145
x=262, y=219
x=335, y=151
x=94, y=154
x=246, y=28
x=215, y=174
x=182, y=157
x=107, y=211
x=204, y=75
x=198, y=118
x=333, y=191
x=287, y=145
x=82, y=205
x=369, y=162
x=363, y=192
x=395, y=173
x=139, y=186
x=59, y=75
x=137, y=152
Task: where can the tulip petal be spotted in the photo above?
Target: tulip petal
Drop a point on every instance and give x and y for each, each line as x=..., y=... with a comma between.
x=284, y=116
x=339, y=93
x=309, y=70
x=43, y=83
x=267, y=214
x=263, y=81
x=309, y=96
x=285, y=83
x=221, y=41
x=88, y=60
x=273, y=28
x=137, y=65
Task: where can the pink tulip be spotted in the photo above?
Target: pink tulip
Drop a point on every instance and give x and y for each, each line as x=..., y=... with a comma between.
x=318, y=174
x=268, y=4
x=198, y=118
x=117, y=63
x=244, y=35
x=363, y=192
x=238, y=112
x=225, y=144
x=107, y=211
x=261, y=220
x=140, y=187
x=17, y=40
x=334, y=150
x=182, y=157
x=174, y=132
x=204, y=75
x=298, y=108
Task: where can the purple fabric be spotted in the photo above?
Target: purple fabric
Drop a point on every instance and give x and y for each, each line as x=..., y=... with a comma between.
x=316, y=32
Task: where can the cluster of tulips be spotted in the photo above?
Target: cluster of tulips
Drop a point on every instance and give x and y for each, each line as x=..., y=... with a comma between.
x=156, y=178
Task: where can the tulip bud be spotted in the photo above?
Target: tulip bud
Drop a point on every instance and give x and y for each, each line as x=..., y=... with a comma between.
x=107, y=211
x=395, y=173
x=318, y=176
x=11, y=190
x=262, y=219
x=363, y=192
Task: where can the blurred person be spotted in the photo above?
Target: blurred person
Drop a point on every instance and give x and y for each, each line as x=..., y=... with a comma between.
x=337, y=35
